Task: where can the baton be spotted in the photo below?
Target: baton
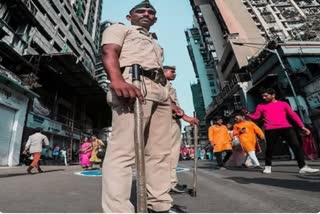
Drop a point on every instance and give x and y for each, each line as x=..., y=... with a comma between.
x=195, y=139
x=139, y=145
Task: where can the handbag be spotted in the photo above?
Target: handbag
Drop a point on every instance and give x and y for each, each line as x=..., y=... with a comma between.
x=101, y=153
x=235, y=142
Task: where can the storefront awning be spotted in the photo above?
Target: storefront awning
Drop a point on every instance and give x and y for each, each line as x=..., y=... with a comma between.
x=5, y=79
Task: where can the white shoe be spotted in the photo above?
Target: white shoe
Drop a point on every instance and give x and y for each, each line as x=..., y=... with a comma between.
x=308, y=169
x=267, y=170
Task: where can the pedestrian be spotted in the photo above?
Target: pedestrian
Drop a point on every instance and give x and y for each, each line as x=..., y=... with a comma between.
x=63, y=155
x=209, y=150
x=97, y=145
x=85, y=153
x=275, y=115
x=238, y=157
x=170, y=74
x=56, y=153
x=221, y=141
x=247, y=132
x=34, y=147
x=123, y=46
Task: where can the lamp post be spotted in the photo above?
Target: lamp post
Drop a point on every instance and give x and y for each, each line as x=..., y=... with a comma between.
x=275, y=51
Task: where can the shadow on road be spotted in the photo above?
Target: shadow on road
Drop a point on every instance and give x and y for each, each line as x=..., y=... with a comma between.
x=284, y=183
x=25, y=173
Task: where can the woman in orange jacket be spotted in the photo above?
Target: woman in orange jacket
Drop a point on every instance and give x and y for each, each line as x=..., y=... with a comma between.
x=247, y=132
x=221, y=141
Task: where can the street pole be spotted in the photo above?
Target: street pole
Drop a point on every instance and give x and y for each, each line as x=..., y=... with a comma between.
x=195, y=167
x=139, y=145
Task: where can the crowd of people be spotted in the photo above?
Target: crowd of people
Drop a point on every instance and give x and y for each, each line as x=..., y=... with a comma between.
x=92, y=151
x=240, y=141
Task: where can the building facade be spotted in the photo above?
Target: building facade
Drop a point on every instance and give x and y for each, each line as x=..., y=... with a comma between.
x=52, y=47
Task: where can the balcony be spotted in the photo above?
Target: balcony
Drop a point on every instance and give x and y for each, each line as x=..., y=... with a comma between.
x=65, y=129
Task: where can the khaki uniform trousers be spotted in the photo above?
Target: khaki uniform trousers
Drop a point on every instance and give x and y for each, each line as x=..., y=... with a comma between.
x=175, y=150
x=120, y=157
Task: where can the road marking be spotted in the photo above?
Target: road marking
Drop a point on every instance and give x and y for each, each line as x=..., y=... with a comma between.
x=181, y=169
x=90, y=173
x=98, y=173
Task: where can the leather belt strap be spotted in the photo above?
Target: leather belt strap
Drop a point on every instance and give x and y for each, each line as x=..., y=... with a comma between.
x=156, y=76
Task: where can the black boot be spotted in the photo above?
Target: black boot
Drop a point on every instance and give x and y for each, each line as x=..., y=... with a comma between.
x=29, y=169
x=40, y=170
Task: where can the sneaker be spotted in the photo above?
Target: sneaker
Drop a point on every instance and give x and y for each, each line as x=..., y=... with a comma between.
x=267, y=170
x=222, y=168
x=178, y=189
x=308, y=169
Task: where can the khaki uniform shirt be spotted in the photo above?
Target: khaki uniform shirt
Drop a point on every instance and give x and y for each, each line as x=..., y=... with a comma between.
x=138, y=47
x=35, y=141
x=174, y=98
x=173, y=93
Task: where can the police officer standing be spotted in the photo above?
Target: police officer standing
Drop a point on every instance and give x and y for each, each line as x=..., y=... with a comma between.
x=170, y=73
x=123, y=46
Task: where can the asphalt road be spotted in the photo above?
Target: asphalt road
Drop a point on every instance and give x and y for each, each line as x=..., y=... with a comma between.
x=234, y=190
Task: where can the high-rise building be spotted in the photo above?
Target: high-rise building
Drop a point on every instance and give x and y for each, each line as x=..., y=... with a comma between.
x=51, y=46
x=225, y=22
x=101, y=75
x=286, y=19
x=203, y=73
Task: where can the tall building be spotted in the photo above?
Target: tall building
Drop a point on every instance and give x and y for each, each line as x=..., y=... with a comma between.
x=286, y=19
x=51, y=47
x=199, y=109
x=205, y=75
x=101, y=75
x=226, y=22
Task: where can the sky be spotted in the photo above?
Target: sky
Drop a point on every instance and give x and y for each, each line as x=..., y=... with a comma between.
x=174, y=17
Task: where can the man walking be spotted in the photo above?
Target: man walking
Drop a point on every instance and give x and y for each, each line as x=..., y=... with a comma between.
x=221, y=141
x=34, y=146
x=247, y=132
x=275, y=114
x=123, y=46
x=170, y=73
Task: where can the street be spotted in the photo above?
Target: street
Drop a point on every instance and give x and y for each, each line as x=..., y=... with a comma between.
x=59, y=189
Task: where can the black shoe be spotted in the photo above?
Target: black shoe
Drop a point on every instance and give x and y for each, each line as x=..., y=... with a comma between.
x=29, y=170
x=40, y=170
x=258, y=167
x=182, y=186
x=174, y=209
x=178, y=189
x=177, y=209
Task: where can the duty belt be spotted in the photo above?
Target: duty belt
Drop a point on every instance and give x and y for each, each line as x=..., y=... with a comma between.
x=156, y=76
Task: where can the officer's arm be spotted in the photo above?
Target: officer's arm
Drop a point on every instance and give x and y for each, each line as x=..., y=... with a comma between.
x=110, y=59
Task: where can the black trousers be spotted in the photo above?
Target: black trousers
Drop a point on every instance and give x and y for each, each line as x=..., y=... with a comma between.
x=218, y=155
x=290, y=136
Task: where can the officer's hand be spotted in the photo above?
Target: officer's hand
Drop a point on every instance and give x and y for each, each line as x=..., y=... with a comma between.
x=177, y=111
x=126, y=90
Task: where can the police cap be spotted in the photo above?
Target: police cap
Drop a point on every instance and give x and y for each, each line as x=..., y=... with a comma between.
x=169, y=67
x=143, y=4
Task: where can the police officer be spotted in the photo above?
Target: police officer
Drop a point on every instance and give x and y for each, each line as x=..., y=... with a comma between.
x=170, y=73
x=123, y=46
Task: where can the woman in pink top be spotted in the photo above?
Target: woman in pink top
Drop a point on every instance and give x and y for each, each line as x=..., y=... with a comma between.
x=275, y=115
